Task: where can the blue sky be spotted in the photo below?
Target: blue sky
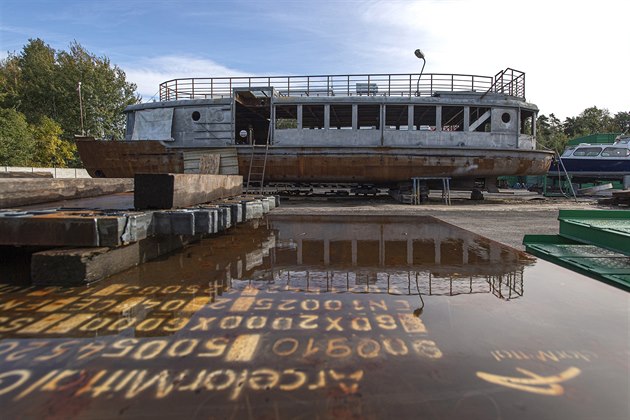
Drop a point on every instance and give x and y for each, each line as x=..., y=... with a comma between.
x=575, y=54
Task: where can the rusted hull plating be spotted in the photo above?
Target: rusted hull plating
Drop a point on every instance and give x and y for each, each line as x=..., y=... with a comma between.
x=381, y=166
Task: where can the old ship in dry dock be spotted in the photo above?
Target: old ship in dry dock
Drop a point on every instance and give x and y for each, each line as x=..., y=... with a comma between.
x=379, y=130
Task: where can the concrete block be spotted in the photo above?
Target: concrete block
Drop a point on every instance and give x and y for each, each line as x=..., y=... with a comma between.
x=272, y=202
x=265, y=204
x=174, y=222
x=203, y=221
x=236, y=212
x=165, y=191
x=253, y=209
x=138, y=226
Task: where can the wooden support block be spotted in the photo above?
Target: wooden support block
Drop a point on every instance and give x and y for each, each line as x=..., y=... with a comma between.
x=80, y=266
x=60, y=230
x=25, y=191
x=165, y=191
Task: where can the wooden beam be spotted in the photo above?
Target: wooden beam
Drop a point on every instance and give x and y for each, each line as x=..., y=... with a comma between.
x=165, y=191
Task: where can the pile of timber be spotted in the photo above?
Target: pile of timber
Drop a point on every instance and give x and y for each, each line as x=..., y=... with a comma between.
x=619, y=198
x=171, y=211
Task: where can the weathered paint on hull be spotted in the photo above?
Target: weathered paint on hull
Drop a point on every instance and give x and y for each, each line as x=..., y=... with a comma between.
x=391, y=165
x=380, y=166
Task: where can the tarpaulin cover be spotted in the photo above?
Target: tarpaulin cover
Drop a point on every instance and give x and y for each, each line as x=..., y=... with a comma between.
x=153, y=124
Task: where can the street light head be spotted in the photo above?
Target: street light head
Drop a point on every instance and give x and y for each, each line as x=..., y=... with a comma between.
x=419, y=54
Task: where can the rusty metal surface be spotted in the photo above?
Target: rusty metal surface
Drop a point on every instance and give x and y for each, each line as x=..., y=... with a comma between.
x=392, y=165
x=123, y=159
x=292, y=164
x=321, y=318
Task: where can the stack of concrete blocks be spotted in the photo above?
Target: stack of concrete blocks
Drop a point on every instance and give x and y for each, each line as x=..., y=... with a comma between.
x=104, y=243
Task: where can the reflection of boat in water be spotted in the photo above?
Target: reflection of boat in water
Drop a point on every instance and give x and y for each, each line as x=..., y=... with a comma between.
x=393, y=255
x=596, y=161
x=378, y=129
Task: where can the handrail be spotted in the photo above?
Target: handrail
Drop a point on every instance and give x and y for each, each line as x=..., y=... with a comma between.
x=509, y=81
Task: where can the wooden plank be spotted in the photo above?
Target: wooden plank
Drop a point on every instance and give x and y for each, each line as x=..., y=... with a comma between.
x=165, y=191
x=79, y=266
x=25, y=191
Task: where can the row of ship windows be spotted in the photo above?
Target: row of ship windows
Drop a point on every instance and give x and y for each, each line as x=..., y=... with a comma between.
x=597, y=151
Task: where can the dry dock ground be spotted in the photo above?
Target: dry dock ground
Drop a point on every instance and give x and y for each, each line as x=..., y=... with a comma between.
x=503, y=217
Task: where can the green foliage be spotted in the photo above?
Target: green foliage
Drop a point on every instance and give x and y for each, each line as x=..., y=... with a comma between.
x=16, y=141
x=551, y=134
x=592, y=120
x=41, y=84
x=50, y=148
x=40, y=81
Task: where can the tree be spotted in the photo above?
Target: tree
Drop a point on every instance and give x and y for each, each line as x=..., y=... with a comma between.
x=592, y=120
x=49, y=148
x=621, y=122
x=37, y=88
x=16, y=141
x=40, y=81
x=550, y=133
x=105, y=93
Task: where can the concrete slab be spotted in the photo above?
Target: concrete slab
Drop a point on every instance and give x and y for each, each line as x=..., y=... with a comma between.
x=165, y=191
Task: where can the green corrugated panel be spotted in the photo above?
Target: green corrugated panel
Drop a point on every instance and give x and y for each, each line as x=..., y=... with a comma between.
x=599, y=138
x=608, y=229
x=586, y=259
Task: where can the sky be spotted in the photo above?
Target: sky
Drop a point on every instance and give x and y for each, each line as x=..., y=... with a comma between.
x=576, y=54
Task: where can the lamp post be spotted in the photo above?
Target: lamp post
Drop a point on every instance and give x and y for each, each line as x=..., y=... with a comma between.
x=420, y=55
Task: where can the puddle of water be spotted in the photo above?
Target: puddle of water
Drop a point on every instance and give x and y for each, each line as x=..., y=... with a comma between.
x=362, y=317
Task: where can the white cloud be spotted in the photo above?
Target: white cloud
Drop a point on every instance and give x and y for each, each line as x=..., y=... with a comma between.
x=575, y=54
x=149, y=73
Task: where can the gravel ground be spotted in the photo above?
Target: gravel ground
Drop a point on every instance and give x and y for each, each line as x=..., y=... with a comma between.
x=505, y=218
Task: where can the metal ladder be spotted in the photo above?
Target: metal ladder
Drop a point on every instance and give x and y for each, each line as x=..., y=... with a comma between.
x=257, y=167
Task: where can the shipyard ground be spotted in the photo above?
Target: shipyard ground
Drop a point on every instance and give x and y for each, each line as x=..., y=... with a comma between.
x=503, y=217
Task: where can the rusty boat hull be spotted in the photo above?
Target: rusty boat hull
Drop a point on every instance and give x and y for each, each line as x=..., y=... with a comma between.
x=368, y=165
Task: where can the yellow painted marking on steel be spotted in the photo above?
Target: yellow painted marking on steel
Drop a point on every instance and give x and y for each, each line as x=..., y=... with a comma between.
x=57, y=304
x=70, y=324
x=43, y=292
x=533, y=383
x=109, y=290
x=242, y=304
x=244, y=348
x=195, y=304
x=127, y=304
x=43, y=324
x=44, y=379
x=412, y=324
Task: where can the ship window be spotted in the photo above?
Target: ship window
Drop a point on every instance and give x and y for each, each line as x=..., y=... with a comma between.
x=424, y=118
x=396, y=117
x=480, y=119
x=506, y=117
x=313, y=117
x=587, y=151
x=369, y=117
x=527, y=122
x=615, y=152
x=286, y=117
x=341, y=117
x=196, y=116
x=453, y=118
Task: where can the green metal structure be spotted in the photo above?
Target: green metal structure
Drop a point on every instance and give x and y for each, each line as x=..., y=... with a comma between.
x=592, y=242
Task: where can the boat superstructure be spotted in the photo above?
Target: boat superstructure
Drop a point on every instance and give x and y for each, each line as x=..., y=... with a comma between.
x=379, y=129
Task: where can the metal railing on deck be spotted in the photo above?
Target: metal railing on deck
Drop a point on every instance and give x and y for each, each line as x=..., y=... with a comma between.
x=511, y=82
